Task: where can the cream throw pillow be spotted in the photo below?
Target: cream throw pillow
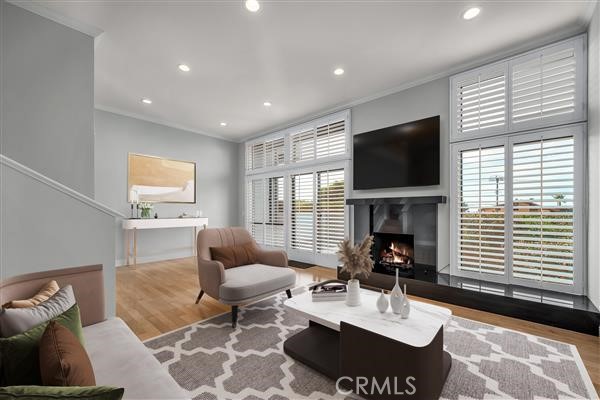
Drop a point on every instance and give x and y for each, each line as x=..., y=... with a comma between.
x=47, y=291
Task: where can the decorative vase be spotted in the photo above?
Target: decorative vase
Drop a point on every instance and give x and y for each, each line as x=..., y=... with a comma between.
x=382, y=303
x=353, y=295
x=396, y=297
x=145, y=213
x=405, y=306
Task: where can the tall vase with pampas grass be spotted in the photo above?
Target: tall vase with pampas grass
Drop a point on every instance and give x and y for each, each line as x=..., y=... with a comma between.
x=356, y=260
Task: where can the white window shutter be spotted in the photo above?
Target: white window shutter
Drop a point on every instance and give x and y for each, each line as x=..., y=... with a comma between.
x=481, y=209
x=331, y=139
x=255, y=210
x=303, y=146
x=543, y=210
x=274, y=224
x=548, y=86
x=302, y=212
x=330, y=209
x=479, y=103
x=274, y=152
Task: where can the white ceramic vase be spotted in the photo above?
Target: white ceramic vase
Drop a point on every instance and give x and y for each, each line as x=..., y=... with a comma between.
x=396, y=297
x=405, y=312
x=382, y=303
x=353, y=295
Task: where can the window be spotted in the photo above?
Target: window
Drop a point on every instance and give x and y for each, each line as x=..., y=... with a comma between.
x=538, y=89
x=317, y=226
x=325, y=140
x=295, y=189
x=265, y=210
x=537, y=239
x=481, y=213
x=543, y=210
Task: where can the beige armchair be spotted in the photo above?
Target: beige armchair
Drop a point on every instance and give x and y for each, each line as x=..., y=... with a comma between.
x=243, y=284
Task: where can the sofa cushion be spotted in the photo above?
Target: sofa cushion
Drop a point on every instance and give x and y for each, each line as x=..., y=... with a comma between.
x=47, y=291
x=234, y=256
x=18, y=320
x=63, y=360
x=120, y=359
x=250, y=281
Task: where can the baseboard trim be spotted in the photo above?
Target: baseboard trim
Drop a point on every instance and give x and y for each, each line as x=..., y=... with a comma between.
x=120, y=262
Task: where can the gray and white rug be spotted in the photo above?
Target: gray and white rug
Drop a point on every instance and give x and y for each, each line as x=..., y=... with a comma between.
x=212, y=361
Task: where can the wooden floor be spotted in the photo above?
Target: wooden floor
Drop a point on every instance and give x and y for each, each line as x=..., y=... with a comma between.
x=159, y=297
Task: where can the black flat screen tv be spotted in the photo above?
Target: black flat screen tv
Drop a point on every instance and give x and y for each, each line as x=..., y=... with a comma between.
x=398, y=156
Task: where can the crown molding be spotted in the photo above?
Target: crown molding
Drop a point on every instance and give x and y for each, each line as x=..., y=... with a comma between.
x=37, y=8
x=159, y=121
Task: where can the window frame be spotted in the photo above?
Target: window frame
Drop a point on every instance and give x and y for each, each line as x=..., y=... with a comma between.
x=579, y=133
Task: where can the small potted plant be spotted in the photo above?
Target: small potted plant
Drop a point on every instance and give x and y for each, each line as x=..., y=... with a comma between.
x=356, y=260
x=146, y=208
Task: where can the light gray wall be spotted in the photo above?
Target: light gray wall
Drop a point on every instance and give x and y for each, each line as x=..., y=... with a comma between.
x=217, y=172
x=594, y=158
x=47, y=97
x=427, y=100
x=45, y=229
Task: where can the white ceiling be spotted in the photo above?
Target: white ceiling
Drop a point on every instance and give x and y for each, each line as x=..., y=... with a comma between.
x=287, y=51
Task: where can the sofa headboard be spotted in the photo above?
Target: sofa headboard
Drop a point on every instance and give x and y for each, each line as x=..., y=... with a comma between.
x=87, y=282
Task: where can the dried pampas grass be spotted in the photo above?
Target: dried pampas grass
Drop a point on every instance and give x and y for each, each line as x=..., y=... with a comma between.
x=356, y=260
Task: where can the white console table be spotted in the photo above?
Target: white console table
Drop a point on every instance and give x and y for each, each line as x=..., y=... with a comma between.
x=131, y=226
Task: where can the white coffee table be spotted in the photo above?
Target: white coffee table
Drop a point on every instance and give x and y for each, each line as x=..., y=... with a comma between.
x=354, y=342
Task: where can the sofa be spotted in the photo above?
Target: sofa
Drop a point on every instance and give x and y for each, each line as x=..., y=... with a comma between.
x=118, y=357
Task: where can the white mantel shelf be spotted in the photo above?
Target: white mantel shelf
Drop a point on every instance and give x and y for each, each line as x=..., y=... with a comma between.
x=131, y=226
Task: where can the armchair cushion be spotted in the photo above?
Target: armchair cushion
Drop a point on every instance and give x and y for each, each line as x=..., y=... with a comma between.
x=249, y=281
x=234, y=256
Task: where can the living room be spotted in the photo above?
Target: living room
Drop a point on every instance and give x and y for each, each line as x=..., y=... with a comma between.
x=229, y=199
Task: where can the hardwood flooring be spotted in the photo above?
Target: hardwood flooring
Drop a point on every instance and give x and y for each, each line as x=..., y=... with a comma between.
x=159, y=297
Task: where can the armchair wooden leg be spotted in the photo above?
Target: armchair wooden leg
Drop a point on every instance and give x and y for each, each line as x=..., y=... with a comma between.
x=234, y=315
x=289, y=293
x=199, y=296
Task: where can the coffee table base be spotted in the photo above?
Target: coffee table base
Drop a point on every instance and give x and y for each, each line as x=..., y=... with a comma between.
x=371, y=365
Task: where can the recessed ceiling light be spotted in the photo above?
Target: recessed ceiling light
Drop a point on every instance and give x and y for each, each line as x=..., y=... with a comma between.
x=146, y=101
x=223, y=123
x=471, y=13
x=338, y=71
x=252, y=5
x=267, y=104
x=183, y=67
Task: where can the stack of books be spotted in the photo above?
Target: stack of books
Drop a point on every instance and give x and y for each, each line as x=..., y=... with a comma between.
x=329, y=291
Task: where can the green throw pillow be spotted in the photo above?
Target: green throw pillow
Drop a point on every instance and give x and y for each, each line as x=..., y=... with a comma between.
x=19, y=355
x=61, y=392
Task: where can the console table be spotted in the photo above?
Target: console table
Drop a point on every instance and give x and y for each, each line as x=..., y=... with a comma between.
x=352, y=343
x=131, y=226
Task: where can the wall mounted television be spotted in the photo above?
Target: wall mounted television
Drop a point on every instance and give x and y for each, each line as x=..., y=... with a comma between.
x=403, y=155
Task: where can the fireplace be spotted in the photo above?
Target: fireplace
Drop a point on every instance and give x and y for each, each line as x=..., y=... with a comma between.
x=393, y=251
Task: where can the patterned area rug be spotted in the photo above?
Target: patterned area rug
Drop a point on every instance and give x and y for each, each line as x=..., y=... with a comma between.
x=212, y=361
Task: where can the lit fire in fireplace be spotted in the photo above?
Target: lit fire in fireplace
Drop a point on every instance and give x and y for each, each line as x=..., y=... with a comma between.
x=396, y=254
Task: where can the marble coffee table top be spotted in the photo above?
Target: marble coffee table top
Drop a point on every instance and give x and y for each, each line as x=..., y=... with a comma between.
x=418, y=330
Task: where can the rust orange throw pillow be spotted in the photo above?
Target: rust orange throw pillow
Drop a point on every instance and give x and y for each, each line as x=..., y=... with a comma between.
x=63, y=360
x=234, y=256
x=47, y=291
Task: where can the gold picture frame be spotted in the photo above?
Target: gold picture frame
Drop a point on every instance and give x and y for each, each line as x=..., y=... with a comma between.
x=156, y=179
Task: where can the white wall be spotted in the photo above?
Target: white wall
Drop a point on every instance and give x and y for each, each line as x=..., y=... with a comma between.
x=427, y=100
x=47, y=97
x=217, y=172
x=594, y=158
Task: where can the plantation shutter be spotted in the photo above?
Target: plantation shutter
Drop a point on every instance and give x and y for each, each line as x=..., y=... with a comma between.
x=302, y=212
x=255, y=156
x=329, y=210
x=255, y=209
x=543, y=210
x=323, y=141
x=481, y=238
x=546, y=86
x=480, y=103
x=274, y=152
x=274, y=225
x=331, y=139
